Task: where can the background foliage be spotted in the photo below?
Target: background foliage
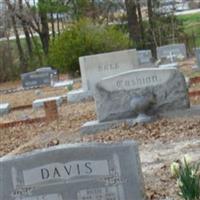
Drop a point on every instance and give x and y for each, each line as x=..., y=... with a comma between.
x=84, y=38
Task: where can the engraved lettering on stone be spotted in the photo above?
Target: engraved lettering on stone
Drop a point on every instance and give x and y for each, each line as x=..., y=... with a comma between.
x=65, y=171
x=108, y=67
x=137, y=82
x=108, y=193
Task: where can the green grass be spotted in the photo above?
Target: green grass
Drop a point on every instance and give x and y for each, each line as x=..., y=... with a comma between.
x=191, y=25
x=190, y=18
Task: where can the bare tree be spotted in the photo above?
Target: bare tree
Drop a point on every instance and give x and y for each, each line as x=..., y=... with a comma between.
x=11, y=9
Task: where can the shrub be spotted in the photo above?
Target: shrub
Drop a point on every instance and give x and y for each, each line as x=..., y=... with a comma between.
x=84, y=38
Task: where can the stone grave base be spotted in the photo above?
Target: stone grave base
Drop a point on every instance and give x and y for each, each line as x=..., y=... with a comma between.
x=93, y=127
x=190, y=112
x=4, y=108
x=78, y=96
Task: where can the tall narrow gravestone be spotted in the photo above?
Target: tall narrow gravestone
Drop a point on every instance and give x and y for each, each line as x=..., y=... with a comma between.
x=137, y=95
x=198, y=57
x=171, y=53
x=95, y=67
x=74, y=172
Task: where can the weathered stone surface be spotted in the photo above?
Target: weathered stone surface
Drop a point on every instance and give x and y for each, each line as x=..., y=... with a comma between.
x=95, y=67
x=172, y=52
x=4, y=108
x=161, y=89
x=75, y=172
x=38, y=103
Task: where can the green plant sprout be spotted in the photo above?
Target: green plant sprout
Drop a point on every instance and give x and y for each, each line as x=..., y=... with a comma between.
x=188, y=178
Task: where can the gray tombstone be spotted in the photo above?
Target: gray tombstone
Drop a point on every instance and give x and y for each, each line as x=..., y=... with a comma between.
x=137, y=95
x=74, y=172
x=144, y=57
x=171, y=53
x=40, y=77
x=197, y=52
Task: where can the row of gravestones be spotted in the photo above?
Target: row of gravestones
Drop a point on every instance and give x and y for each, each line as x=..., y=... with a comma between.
x=95, y=67
x=168, y=53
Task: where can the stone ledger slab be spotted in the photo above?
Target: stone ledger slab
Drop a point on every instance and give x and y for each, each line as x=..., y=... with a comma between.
x=114, y=95
x=4, y=108
x=38, y=103
x=76, y=172
x=95, y=67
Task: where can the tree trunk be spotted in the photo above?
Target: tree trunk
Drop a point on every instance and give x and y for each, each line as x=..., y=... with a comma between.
x=141, y=24
x=151, y=29
x=58, y=23
x=23, y=62
x=26, y=32
x=52, y=26
x=133, y=25
x=44, y=34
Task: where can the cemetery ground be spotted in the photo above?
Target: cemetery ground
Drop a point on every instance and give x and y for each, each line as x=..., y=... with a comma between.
x=160, y=142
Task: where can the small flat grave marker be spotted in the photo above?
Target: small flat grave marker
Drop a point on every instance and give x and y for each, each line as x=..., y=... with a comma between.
x=75, y=172
x=4, y=108
x=38, y=103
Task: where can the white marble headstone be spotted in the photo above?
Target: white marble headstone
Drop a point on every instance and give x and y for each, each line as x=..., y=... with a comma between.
x=95, y=67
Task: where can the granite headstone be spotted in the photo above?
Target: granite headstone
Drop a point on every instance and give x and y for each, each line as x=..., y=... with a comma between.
x=171, y=53
x=137, y=96
x=114, y=94
x=74, y=172
x=144, y=57
x=40, y=77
